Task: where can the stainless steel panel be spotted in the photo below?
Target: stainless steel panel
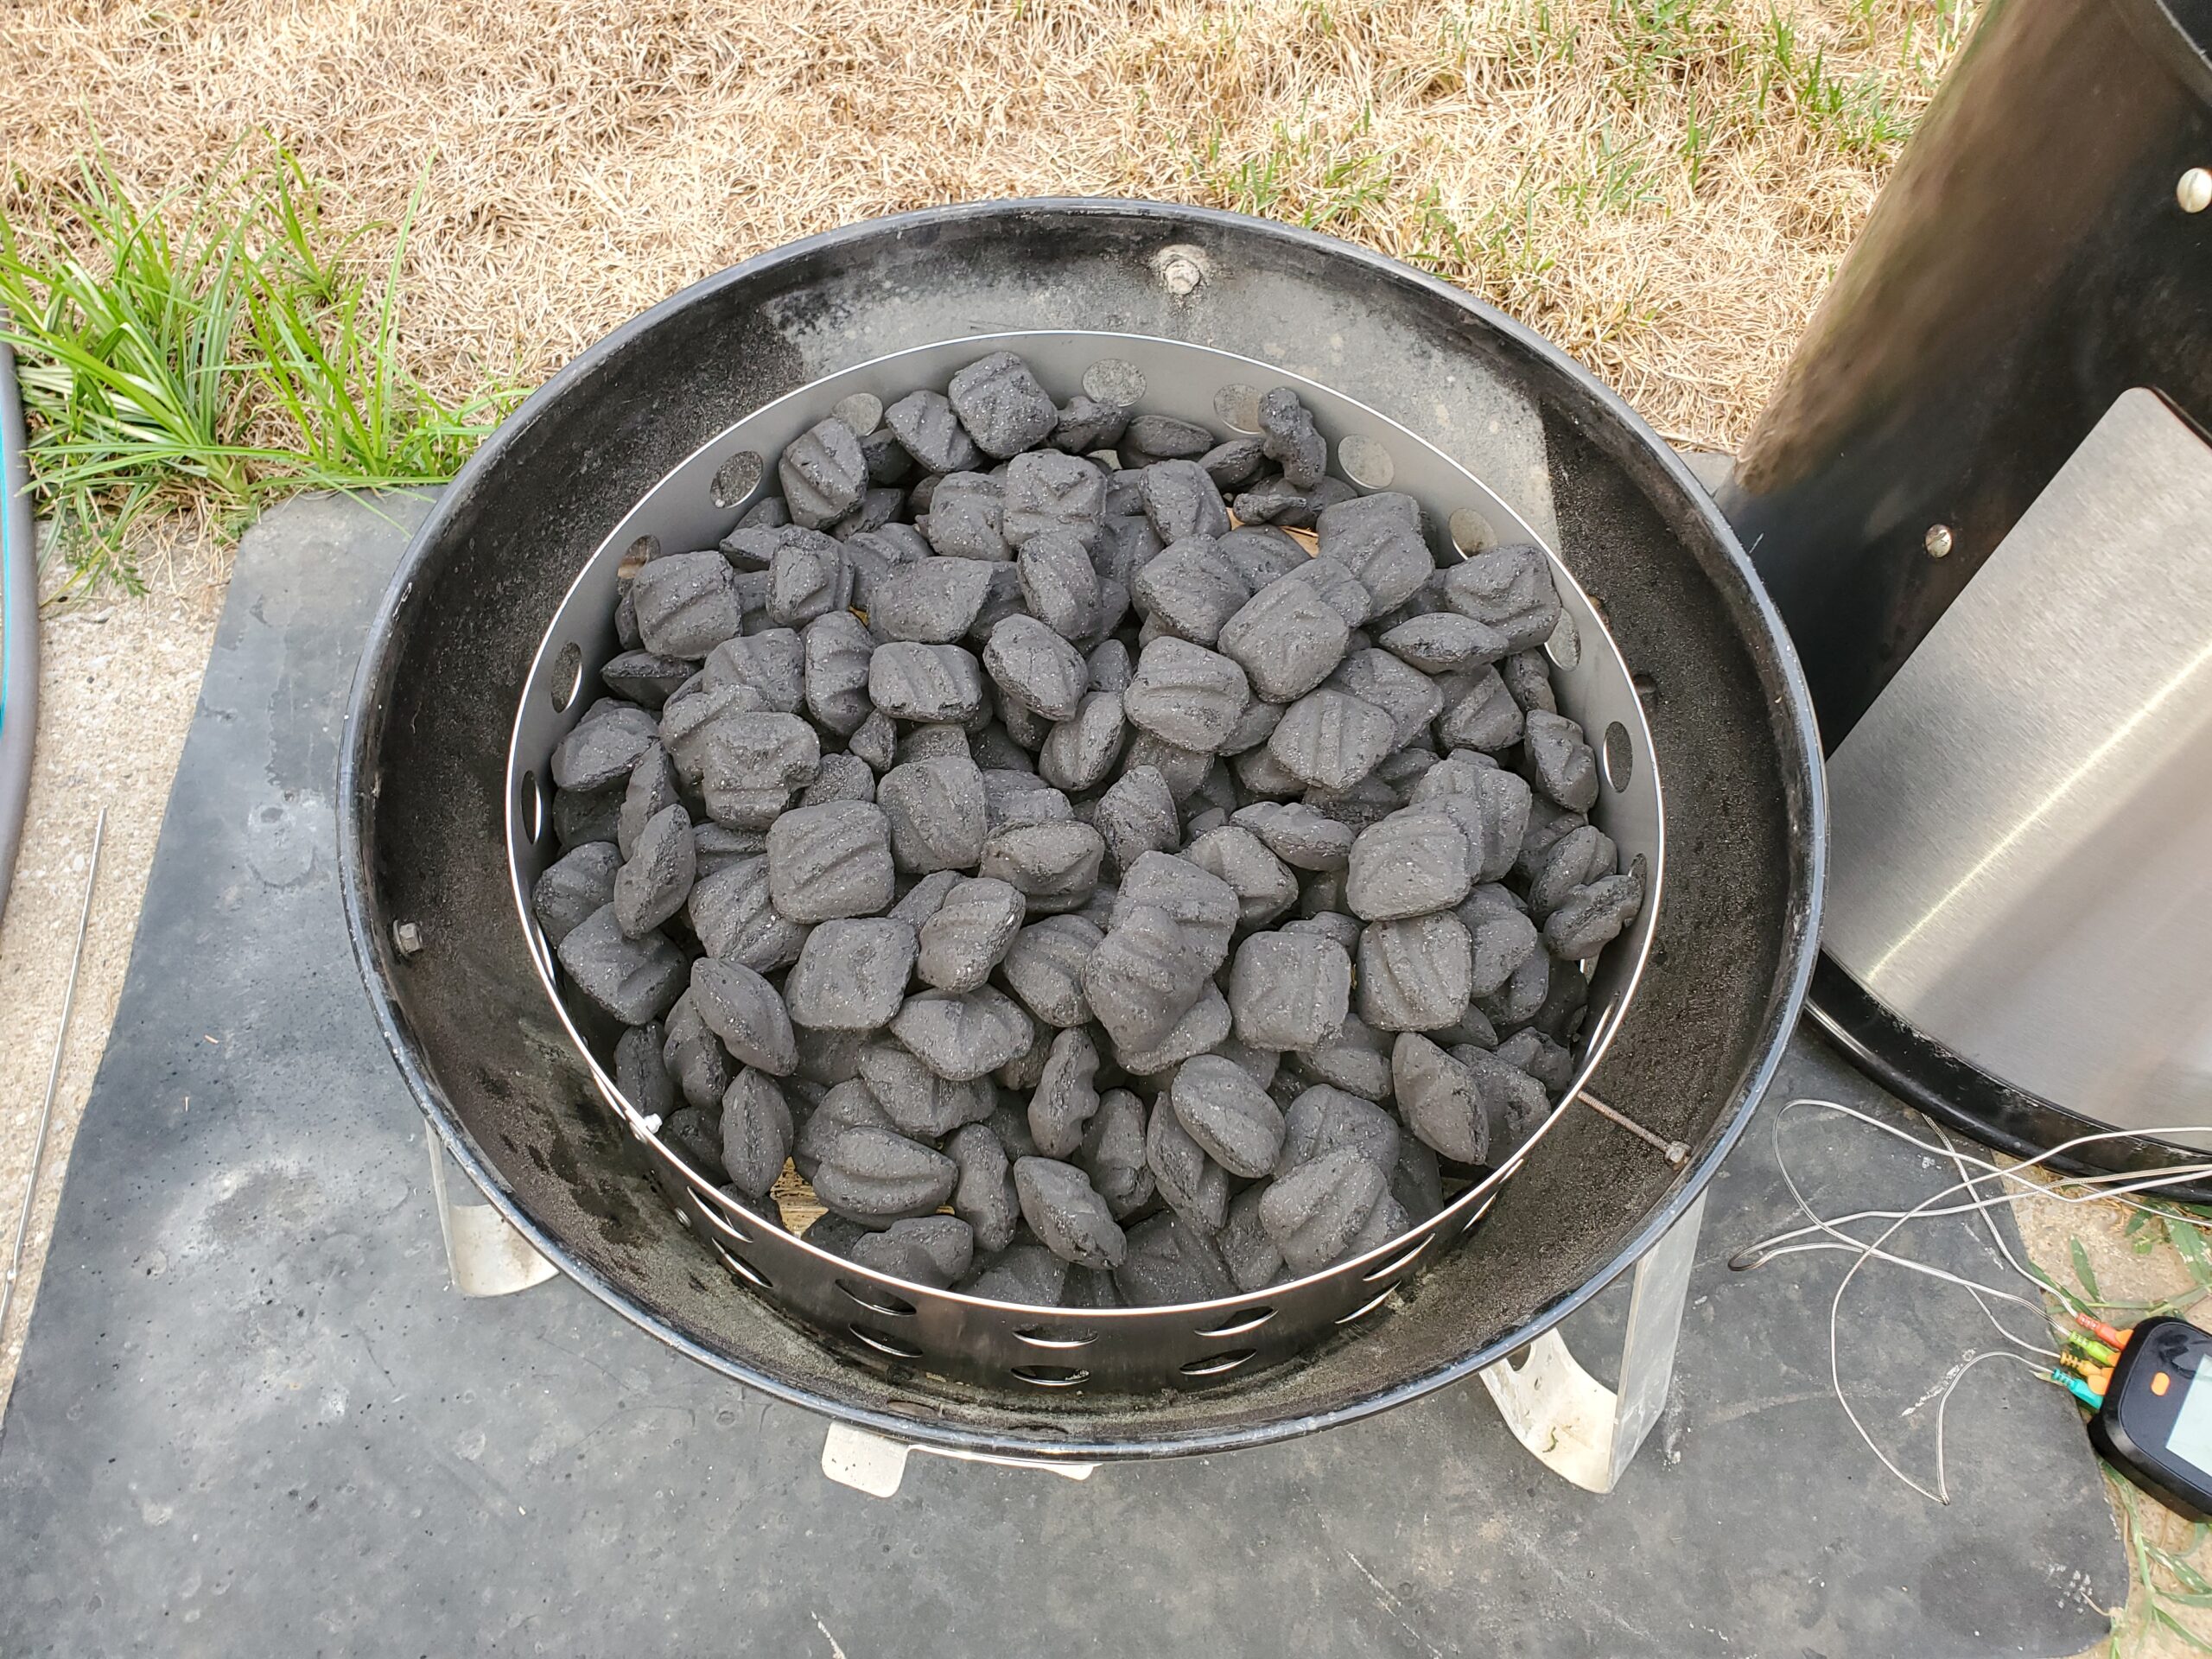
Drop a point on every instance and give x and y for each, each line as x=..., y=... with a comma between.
x=2022, y=858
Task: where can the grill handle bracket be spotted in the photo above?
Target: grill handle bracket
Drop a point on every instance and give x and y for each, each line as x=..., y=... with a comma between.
x=484, y=1253
x=1571, y=1422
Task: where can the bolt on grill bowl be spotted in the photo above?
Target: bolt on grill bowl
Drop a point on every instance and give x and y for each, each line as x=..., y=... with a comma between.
x=1418, y=388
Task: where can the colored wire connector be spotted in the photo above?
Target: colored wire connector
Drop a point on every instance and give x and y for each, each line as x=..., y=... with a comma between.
x=2102, y=1331
x=2091, y=1348
x=2080, y=1389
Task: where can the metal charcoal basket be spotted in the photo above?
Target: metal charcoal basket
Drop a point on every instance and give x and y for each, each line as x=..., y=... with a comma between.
x=1467, y=412
x=1186, y=1345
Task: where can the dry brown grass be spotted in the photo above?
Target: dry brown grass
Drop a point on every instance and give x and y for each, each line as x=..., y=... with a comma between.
x=579, y=161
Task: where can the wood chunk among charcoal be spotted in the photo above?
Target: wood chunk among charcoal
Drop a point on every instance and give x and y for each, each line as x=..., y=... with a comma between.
x=976, y=823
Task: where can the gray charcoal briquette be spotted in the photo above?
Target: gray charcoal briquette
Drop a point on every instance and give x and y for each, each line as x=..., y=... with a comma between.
x=1086, y=424
x=757, y=753
x=964, y=518
x=879, y=1176
x=1205, y=1024
x=1234, y=464
x=809, y=579
x=1035, y=667
x=1288, y=438
x=1528, y=676
x=1322, y=1119
x=1329, y=924
x=914, y=1099
x=1261, y=553
x=643, y=678
x=1259, y=775
x=1517, y=1101
x=743, y=1010
x=875, y=739
x=1264, y=887
x=1059, y=583
x=829, y=1058
x=926, y=898
x=1295, y=833
x=822, y=473
x=1048, y=491
x=1585, y=854
x=1250, y=1255
x=876, y=508
x=847, y=1106
x=1287, y=638
x=1182, y=770
x=932, y=1250
x=1315, y=1213
x=1001, y=403
x=1289, y=990
x=839, y=653
x=851, y=974
x=926, y=427
x=1444, y=639
x=1519, y=1000
x=1550, y=1064
x=1479, y=713
x=604, y=749
x=1190, y=1184
x=832, y=1232
x=1053, y=866
x=1199, y=902
x=695, y=1055
x=1186, y=696
x=772, y=662
x=1566, y=999
x=1331, y=738
x=1559, y=763
x=1113, y=1153
x=687, y=604
x=889, y=462
x=933, y=602
x=1065, y=1096
x=1078, y=752
x=969, y=934
x=1379, y=538
x=581, y=882
x=1358, y=1060
x=1169, y=1262
x=1044, y=968
x=634, y=979
x=1180, y=501
x=1409, y=697
x=641, y=1072
x=1137, y=816
x=1501, y=936
x=1548, y=822
x=930, y=683
x=1028, y=1275
x=963, y=1037
x=1416, y=1184
x=1230, y=1115
x=1143, y=977
x=1275, y=500
x=1167, y=437
x=690, y=718
x=1189, y=591
x=829, y=861
x=1510, y=588
x=1442, y=1102
x=1067, y=1215
x=983, y=1197
x=841, y=777
x=1001, y=598
x=1412, y=862
x=1253, y=726
x=625, y=621
x=756, y=1134
x=1415, y=973
x=937, y=810
x=694, y=1137
x=733, y=914
x=1017, y=797
x=1593, y=916
x=655, y=879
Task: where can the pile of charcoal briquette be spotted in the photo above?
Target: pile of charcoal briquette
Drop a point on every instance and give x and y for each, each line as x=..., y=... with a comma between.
x=1100, y=896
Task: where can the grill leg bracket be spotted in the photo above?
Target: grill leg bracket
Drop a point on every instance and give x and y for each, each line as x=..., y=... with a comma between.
x=485, y=1255
x=876, y=1464
x=1571, y=1422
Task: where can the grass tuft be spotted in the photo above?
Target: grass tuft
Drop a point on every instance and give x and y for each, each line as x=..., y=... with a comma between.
x=210, y=351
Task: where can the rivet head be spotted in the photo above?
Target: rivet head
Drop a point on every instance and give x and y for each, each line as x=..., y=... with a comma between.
x=2193, y=190
x=1181, y=274
x=1937, y=541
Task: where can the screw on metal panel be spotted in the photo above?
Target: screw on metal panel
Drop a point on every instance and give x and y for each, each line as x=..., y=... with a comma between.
x=2194, y=190
x=407, y=937
x=1937, y=541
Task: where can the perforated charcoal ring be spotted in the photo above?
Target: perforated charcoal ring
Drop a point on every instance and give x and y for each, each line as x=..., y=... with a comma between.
x=715, y=383
x=1187, y=1344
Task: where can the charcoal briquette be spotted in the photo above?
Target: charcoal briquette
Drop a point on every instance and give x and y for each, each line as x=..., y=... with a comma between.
x=879, y=1176
x=932, y=1250
x=1059, y=583
x=1142, y=976
x=1233, y=465
x=692, y=715
x=1300, y=836
x=851, y=974
x=1287, y=638
x=969, y=934
x=732, y=912
x=1078, y=753
x=1441, y=640
x=1027, y=1274
x=1510, y=588
x=1328, y=925
x=1066, y=1213
x=1064, y=1096
x=1263, y=778
x=1035, y=667
x=625, y=621
x=694, y=1137
x=983, y=1195
x=641, y=1072
x=743, y=1010
x=1085, y=425
x=1501, y=933
x=1316, y=1211
x=1189, y=1182
x=655, y=879
x=832, y=1232
x=933, y=602
x=1008, y=743
x=888, y=461
x=773, y=662
x=1548, y=822
x=1357, y=1060
x=914, y=1099
x=847, y=1106
x=1331, y=738
x=1585, y=854
x=1168, y=1261
x=1414, y=862
x=1415, y=974
x=695, y=1057
x=1522, y=997
x=1167, y=437
x=1001, y=403
x=1228, y=1115
x=1189, y=591
x=1289, y=990
x=1053, y=866
x=756, y=753
x=1202, y=1027
x=1593, y=916
x=929, y=684
x=1549, y=1062
x=644, y=678
x=808, y=579
x=1560, y=764
x=1275, y=500
x=581, y=882
x=1203, y=906
x=1185, y=695
x=965, y=519
x=927, y=428
x=1044, y=968
x=840, y=650
x=636, y=980
x=926, y=898
x=1442, y=1102
x=829, y=861
x=963, y=1037
x=822, y=473
x=829, y=1058
x=1407, y=694
x=1517, y=1101
x=604, y=749
x=877, y=507
x=1528, y=676
x=841, y=777
x=1479, y=713
x=1048, y=491
x=1288, y=438
x=1016, y=796
x=937, y=813
x=1250, y=1254
x=1181, y=501
x=1182, y=770
x=875, y=739
x=1264, y=887
x=686, y=603
x=1135, y=815
x=756, y=1133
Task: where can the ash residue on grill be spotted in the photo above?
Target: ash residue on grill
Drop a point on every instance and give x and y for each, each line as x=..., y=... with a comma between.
x=1139, y=847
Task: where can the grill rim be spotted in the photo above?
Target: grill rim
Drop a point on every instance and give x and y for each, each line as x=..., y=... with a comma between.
x=1585, y=400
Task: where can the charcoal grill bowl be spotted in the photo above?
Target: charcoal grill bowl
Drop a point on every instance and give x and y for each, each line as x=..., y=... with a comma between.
x=424, y=786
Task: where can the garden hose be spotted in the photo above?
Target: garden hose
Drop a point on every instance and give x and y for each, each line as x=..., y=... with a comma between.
x=18, y=624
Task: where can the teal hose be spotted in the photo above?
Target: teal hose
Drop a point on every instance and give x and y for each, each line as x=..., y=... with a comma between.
x=18, y=624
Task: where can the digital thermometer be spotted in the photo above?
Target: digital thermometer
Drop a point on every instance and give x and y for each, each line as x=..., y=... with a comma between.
x=2155, y=1424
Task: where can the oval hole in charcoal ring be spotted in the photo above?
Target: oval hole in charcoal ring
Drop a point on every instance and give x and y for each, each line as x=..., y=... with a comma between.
x=1216, y=1364
x=533, y=807
x=1237, y=407
x=637, y=556
x=745, y=1270
x=1244, y=1320
x=1366, y=462
x=884, y=1345
x=567, y=674
x=1115, y=380
x=1056, y=1336
x=735, y=480
x=1618, y=756
x=877, y=1299
x=723, y=1223
x=1384, y=1269
x=1052, y=1376
x=1472, y=533
x=1362, y=1312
